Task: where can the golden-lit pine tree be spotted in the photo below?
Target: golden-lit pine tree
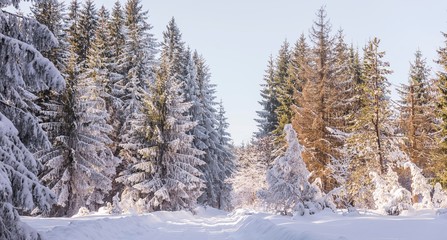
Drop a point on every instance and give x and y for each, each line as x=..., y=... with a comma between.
x=417, y=115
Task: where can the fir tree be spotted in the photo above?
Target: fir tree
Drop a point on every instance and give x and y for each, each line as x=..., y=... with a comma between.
x=268, y=120
x=316, y=111
x=135, y=63
x=441, y=159
x=418, y=120
x=86, y=29
x=284, y=89
x=23, y=72
x=166, y=177
x=289, y=191
x=51, y=14
x=226, y=158
x=371, y=139
x=117, y=36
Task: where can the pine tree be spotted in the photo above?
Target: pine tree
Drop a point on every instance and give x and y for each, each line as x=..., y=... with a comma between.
x=315, y=113
x=117, y=37
x=289, y=191
x=51, y=14
x=268, y=120
x=166, y=177
x=284, y=90
x=299, y=66
x=371, y=137
x=135, y=64
x=86, y=29
x=441, y=158
x=226, y=158
x=418, y=120
x=206, y=136
x=23, y=73
x=72, y=31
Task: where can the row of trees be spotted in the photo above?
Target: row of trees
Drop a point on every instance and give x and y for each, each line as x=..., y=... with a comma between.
x=338, y=102
x=93, y=108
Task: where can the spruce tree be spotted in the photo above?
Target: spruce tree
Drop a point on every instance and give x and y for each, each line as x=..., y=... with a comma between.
x=51, y=14
x=227, y=159
x=267, y=119
x=441, y=102
x=371, y=137
x=86, y=29
x=417, y=115
x=289, y=191
x=206, y=136
x=166, y=177
x=23, y=73
x=135, y=63
x=314, y=116
x=284, y=90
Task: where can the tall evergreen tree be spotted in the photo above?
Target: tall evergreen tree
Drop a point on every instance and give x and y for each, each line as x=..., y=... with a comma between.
x=316, y=103
x=23, y=72
x=117, y=36
x=284, y=90
x=371, y=137
x=51, y=14
x=441, y=158
x=135, y=63
x=373, y=121
x=166, y=177
x=88, y=20
x=268, y=120
x=227, y=158
x=206, y=136
x=418, y=120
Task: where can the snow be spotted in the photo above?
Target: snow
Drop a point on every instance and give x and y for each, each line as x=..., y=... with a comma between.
x=244, y=224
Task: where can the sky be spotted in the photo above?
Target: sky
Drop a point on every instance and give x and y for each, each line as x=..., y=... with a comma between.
x=236, y=37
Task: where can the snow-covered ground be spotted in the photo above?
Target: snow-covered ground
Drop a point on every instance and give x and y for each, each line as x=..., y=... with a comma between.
x=212, y=224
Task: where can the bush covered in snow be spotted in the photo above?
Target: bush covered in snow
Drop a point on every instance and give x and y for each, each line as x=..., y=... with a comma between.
x=420, y=187
x=389, y=196
x=289, y=190
x=439, y=197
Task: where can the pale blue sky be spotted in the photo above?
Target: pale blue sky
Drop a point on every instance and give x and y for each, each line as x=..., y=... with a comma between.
x=236, y=37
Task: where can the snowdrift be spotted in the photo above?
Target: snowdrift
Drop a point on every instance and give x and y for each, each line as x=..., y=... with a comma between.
x=212, y=224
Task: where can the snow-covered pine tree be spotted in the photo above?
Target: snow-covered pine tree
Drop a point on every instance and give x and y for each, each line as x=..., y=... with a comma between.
x=95, y=99
x=51, y=14
x=316, y=112
x=79, y=166
x=23, y=72
x=370, y=137
x=116, y=36
x=284, y=90
x=20, y=187
x=289, y=190
x=206, y=137
x=116, y=44
x=87, y=24
x=420, y=187
x=371, y=129
x=267, y=119
x=417, y=115
x=299, y=66
x=166, y=177
x=136, y=64
x=226, y=158
x=389, y=196
x=441, y=83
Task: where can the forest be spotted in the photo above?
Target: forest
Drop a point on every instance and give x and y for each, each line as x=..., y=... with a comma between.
x=96, y=113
